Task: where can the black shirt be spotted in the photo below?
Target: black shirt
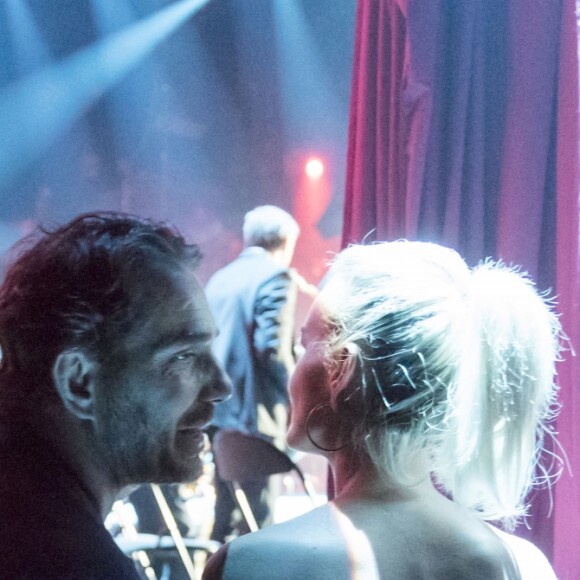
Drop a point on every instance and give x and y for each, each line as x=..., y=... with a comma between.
x=50, y=524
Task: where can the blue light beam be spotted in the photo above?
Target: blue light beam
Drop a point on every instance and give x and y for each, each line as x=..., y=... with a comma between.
x=35, y=111
x=112, y=17
x=29, y=47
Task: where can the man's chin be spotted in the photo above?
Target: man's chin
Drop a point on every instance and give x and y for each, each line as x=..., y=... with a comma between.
x=181, y=473
x=166, y=468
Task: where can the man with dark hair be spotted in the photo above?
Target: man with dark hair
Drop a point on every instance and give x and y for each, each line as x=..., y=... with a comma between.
x=106, y=380
x=253, y=303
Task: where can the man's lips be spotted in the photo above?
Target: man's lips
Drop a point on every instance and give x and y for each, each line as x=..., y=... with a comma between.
x=197, y=421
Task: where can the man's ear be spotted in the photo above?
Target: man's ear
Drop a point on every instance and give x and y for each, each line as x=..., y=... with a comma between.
x=343, y=370
x=73, y=374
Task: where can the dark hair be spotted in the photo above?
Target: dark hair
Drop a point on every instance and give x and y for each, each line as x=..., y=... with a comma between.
x=72, y=287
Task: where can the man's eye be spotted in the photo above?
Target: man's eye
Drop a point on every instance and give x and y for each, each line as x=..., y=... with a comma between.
x=184, y=357
x=181, y=362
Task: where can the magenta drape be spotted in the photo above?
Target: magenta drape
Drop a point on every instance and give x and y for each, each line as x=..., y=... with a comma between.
x=567, y=496
x=464, y=130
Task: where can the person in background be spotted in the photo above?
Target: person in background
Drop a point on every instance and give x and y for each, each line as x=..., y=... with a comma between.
x=106, y=380
x=419, y=375
x=253, y=302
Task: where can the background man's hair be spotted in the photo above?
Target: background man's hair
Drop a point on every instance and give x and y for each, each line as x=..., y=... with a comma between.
x=268, y=227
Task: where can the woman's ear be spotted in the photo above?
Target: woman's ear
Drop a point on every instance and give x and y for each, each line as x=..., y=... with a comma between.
x=74, y=378
x=343, y=370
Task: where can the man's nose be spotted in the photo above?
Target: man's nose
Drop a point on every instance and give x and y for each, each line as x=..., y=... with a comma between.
x=220, y=385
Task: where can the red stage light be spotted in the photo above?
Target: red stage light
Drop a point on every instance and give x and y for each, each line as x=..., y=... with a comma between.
x=314, y=168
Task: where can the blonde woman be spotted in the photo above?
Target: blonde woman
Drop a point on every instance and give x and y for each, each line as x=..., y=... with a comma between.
x=419, y=375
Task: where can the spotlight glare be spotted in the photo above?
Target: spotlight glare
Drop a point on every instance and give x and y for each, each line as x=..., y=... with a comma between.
x=314, y=168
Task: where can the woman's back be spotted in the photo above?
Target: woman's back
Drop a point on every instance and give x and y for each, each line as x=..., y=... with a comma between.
x=409, y=540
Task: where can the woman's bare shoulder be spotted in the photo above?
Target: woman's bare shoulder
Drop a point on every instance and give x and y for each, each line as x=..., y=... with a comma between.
x=292, y=549
x=430, y=539
x=311, y=528
x=477, y=554
x=531, y=562
x=463, y=546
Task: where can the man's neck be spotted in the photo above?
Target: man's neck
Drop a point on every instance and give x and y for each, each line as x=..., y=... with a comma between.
x=279, y=255
x=71, y=439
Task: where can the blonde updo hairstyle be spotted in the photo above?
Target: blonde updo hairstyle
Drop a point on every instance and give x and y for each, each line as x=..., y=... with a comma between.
x=457, y=362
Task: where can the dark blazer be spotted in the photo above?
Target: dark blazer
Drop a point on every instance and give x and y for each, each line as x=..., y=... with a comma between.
x=253, y=302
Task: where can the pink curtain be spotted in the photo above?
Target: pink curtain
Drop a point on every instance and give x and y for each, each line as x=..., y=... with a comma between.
x=464, y=130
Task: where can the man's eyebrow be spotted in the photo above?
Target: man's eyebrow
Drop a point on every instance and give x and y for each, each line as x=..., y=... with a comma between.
x=184, y=338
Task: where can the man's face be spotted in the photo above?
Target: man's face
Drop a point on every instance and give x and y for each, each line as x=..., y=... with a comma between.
x=160, y=387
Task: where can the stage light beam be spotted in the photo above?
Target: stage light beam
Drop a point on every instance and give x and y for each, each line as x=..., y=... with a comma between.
x=29, y=47
x=35, y=111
